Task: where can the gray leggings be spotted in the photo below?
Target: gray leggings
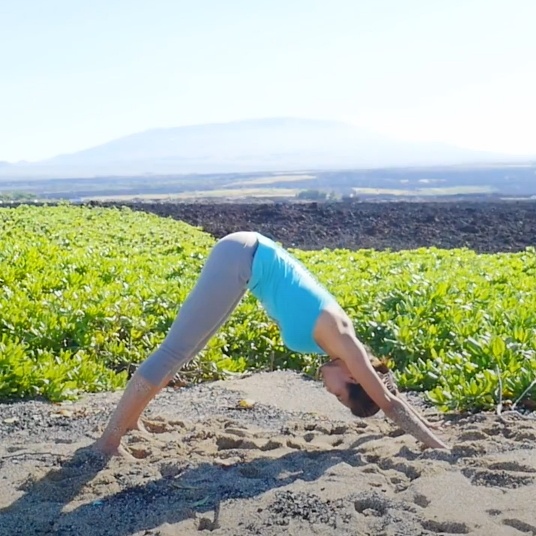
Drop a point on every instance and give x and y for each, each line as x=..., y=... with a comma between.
x=221, y=286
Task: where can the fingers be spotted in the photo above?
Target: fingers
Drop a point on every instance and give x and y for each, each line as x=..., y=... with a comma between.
x=435, y=425
x=439, y=425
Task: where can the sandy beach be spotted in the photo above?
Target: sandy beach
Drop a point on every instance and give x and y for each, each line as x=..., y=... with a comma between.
x=295, y=463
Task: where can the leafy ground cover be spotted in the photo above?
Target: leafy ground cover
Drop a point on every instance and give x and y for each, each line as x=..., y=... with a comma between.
x=88, y=293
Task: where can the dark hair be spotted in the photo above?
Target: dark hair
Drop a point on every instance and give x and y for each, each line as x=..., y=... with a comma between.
x=361, y=405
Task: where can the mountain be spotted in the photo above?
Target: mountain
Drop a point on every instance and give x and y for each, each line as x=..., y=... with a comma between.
x=279, y=144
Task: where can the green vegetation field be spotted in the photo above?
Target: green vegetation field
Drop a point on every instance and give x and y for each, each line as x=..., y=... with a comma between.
x=86, y=294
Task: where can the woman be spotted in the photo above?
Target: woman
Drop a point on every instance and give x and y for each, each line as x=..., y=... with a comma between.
x=310, y=321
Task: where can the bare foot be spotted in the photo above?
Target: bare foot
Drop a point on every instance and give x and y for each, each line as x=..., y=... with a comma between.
x=108, y=450
x=142, y=431
x=125, y=454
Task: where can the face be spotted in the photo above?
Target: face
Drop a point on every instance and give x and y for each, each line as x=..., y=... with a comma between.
x=335, y=375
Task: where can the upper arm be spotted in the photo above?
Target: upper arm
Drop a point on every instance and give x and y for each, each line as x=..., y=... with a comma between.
x=353, y=353
x=335, y=335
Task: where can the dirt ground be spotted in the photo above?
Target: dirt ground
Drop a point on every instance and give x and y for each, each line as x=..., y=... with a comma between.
x=487, y=227
x=295, y=463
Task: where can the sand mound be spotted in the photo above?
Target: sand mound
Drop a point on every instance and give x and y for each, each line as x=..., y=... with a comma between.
x=295, y=463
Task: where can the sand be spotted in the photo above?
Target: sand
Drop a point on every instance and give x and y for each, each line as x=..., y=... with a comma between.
x=296, y=463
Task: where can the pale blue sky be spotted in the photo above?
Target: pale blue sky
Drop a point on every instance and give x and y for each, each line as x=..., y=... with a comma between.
x=74, y=74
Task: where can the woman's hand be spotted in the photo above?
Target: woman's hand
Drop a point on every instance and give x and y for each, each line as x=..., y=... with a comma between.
x=402, y=414
x=440, y=425
x=435, y=443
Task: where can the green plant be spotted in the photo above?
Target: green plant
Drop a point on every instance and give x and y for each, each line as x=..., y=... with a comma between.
x=88, y=293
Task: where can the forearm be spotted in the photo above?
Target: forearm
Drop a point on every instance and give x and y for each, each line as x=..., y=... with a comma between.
x=417, y=413
x=410, y=422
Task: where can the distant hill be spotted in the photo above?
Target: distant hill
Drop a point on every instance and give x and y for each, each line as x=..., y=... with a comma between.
x=280, y=144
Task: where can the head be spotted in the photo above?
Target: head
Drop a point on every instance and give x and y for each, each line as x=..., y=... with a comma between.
x=339, y=381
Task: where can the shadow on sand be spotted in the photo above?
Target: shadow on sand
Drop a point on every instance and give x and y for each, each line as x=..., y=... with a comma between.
x=191, y=491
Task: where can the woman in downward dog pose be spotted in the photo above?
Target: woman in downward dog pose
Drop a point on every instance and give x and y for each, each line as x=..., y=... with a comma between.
x=310, y=320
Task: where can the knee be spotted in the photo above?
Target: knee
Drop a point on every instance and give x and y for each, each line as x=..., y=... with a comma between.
x=161, y=365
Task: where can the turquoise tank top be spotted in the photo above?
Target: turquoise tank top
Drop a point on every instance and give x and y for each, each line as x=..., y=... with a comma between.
x=289, y=293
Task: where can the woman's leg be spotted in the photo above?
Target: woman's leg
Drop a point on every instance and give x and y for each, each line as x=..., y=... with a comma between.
x=221, y=286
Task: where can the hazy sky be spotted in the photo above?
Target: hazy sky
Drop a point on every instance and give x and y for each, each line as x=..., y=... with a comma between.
x=77, y=73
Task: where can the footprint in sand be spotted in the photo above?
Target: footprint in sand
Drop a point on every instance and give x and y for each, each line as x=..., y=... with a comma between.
x=512, y=466
x=229, y=442
x=515, y=431
x=470, y=450
x=493, y=431
x=171, y=470
x=159, y=425
x=323, y=441
x=473, y=435
x=497, y=478
x=421, y=500
x=140, y=453
x=517, y=524
x=445, y=527
x=407, y=470
x=243, y=442
x=501, y=473
x=525, y=434
x=372, y=504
